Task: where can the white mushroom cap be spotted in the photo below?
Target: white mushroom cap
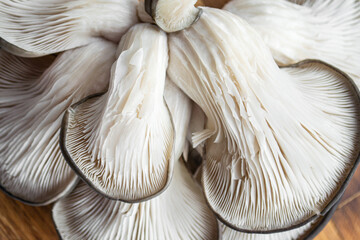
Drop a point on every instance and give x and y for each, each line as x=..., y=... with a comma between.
x=279, y=143
x=40, y=27
x=178, y=213
x=173, y=15
x=326, y=30
x=121, y=143
x=34, y=93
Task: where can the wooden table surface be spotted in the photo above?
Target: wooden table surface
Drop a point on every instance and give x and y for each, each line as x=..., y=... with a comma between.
x=21, y=222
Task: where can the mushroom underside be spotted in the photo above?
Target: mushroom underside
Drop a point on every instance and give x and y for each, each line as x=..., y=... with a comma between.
x=122, y=142
x=279, y=143
x=179, y=213
x=34, y=93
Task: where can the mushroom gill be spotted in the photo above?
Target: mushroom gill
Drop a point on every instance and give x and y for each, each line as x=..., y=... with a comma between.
x=327, y=30
x=178, y=213
x=279, y=143
x=121, y=142
x=307, y=231
x=37, y=27
x=34, y=93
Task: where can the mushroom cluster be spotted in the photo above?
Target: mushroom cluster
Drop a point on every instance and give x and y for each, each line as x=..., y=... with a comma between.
x=180, y=121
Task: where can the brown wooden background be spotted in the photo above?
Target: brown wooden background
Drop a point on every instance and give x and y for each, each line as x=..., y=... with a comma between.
x=22, y=222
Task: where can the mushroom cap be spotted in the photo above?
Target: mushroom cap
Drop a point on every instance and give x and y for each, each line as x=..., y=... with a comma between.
x=34, y=93
x=178, y=213
x=297, y=30
x=37, y=27
x=280, y=144
x=121, y=143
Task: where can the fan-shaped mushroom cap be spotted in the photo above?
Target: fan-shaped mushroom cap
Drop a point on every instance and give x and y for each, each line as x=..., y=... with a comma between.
x=230, y=234
x=34, y=93
x=39, y=27
x=178, y=213
x=180, y=109
x=121, y=143
x=280, y=144
x=173, y=15
x=327, y=30
x=307, y=231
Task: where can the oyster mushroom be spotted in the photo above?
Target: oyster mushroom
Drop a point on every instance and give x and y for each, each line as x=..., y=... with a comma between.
x=178, y=213
x=173, y=15
x=196, y=128
x=36, y=28
x=34, y=93
x=180, y=107
x=294, y=31
x=121, y=142
x=280, y=144
x=308, y=231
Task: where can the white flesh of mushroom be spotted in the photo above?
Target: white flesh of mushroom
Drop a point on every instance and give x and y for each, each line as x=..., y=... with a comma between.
x=122, y=142
x=34, y=93
x=180, y=109
x=327, y=30
x=178, y=213
x=41, y=27
x=279, y=143
x=196, y=126
x=174, y=15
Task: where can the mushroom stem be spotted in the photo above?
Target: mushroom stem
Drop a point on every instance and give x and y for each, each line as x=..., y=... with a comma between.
x=173, y=15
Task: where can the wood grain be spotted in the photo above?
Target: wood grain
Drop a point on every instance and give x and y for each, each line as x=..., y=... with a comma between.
x=21, y=222
x=345, y=224
x=212, y=3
